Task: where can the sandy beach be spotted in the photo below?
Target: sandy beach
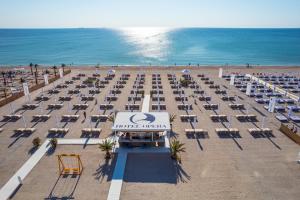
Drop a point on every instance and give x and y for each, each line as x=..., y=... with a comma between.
x=213, y=166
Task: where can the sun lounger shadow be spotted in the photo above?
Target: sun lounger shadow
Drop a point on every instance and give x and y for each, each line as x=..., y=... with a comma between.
x=66, y=178
x=229, y=135
x=90, y=135
x=50, y=151
x=106, y=169
x=56, y=135
x=4, y=123
x=173, y=134
x=261, y=113
x=32, y=150
x=15, y=191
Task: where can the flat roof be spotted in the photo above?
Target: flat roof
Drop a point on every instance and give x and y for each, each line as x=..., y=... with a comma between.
x=142, y=121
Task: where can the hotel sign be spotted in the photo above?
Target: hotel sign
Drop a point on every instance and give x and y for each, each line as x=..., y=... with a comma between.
x=139, y=121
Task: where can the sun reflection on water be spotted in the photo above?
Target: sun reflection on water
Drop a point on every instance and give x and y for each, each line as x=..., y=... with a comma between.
x=150, y=42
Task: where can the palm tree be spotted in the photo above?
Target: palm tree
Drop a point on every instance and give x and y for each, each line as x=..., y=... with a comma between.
x=4, y=79
x=172, y=118
x=10, y=76
x=36, y=73
x=176, y=147
x=106, y=146
x=31, y=65
x=54, y=69
x=22, y=80
x=63, y=67
x=111, y=118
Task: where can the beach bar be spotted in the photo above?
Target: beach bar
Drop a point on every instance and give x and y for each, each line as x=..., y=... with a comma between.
x=141, y=128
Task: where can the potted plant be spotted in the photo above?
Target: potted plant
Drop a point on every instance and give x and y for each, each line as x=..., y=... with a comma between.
x=53, y=142
x=36, y=142
x=106, y=146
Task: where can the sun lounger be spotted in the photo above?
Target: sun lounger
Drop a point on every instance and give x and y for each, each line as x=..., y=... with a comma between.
x=160, y=106
x=227, y=130
x=80, y=106
x=211, y=106
x=282, y=118
x=135, y=98
x=246, y=117
x=53, y=91
x=69, y=82
x=294, y=108
x=221, y=92
x=218, y=117
x=30, y=106
x=87, y=98
x=295, y=118
x=55, y=106
x=91, y=130
x=260, y=130
x=184, y=106
x=94, y=91
x=156, y=98
x=237, y=106
x=41, y=117
x=99, y=117
x=191, y=131
x=42, y=98
x=204, y=98
x=228, y=98
x=76, y=78
x=111, y=98
x=188, y=118
x=58, y=130
x=277, y=108
x=65, y=98
x=70, y=117
x=12, y=117
x=81, y=86
x=132, y=107
x=62, y=86
x=76, y=91
x=198, y=91
x=181, y=98
x=178, y=91
x=137, y=92
x=24, y=130
x=106, y=106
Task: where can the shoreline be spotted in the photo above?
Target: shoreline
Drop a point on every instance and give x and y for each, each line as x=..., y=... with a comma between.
x=161, y=67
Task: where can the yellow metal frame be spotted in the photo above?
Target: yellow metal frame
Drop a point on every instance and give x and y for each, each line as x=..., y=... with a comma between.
x=63, y=170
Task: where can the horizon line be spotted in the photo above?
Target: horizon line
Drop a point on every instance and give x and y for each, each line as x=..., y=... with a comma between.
x=169, y=27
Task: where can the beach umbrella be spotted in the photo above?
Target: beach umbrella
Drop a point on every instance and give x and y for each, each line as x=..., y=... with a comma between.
x=290, y=112
x=56, y=121
x=24, y=121
x=186, y=71
x=263, y=122
x=11, y=108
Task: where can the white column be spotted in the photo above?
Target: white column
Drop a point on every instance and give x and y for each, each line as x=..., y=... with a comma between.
x=220, y=72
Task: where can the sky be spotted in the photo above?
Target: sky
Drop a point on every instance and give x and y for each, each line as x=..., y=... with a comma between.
x=157, y=13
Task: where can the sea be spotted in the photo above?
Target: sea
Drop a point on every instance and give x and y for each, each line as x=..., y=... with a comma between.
x=150, y=46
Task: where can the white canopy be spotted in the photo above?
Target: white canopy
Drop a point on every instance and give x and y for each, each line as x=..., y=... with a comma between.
x=111, y=71
x=139, y=121
x=186, y=71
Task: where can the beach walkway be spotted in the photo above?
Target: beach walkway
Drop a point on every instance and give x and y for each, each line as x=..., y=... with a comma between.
x=146, y=103
x=8, y=189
